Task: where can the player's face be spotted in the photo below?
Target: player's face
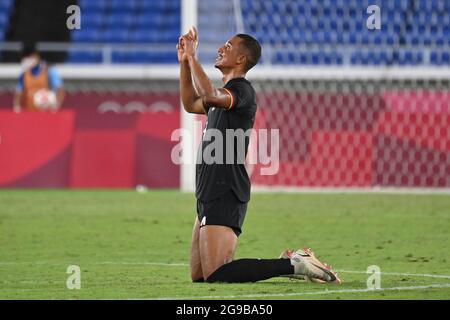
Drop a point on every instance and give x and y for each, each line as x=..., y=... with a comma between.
x=228, y=54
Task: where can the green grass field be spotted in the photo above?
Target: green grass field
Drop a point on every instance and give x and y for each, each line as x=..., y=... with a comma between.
x=133, y=245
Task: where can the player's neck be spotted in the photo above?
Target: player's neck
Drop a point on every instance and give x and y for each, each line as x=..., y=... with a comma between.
x=232, y=74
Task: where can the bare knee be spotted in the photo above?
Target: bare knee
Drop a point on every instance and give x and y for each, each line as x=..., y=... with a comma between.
x=196, y=266
x=199, y=280
x=217, y=247
x=196, y=263
x=215, y=263
x=197, y=274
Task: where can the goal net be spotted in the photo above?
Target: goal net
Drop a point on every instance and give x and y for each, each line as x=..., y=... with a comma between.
x=354, y=108
x=366, y=130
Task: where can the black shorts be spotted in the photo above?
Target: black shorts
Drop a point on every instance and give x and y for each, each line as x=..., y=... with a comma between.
x=227, y=210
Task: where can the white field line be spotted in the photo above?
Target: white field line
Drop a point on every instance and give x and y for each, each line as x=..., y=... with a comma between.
x=349, y=190
x=293, y=294
x=401, y=274
x=161, y=264
x=182, y=264
x=14, y=263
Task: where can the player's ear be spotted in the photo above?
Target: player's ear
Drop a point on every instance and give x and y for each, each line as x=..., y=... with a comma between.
x=242, y=59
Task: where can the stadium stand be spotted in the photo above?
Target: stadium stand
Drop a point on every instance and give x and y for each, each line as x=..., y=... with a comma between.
x=328, y=32
x=120, y=22
x=5, y=7
x=406, y=24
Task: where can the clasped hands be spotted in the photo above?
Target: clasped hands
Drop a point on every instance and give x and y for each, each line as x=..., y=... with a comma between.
x=187, y=45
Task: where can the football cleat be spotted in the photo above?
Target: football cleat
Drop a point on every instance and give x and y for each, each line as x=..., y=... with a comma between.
x=308, y=267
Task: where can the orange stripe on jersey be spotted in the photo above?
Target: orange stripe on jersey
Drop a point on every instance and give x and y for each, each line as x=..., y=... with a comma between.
x=232, y=99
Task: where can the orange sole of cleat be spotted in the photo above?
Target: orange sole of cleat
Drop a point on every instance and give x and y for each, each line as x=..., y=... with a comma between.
x=329, y=268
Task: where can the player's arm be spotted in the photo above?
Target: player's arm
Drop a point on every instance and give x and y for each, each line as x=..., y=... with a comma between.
x=217, y=97
x=60, y=95
x=16, y=101
x=56, y=84
x=191, y=99
x=18, y=95
x=192, y=102
x=210, y=95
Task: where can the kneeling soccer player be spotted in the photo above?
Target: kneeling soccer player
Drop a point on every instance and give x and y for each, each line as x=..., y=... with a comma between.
x=223, y=189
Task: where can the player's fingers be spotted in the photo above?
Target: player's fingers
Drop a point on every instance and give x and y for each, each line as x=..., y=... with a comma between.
x=195, y=33
x=188, y=40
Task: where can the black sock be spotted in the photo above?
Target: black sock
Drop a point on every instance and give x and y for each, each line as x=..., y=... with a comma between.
x=251, y=270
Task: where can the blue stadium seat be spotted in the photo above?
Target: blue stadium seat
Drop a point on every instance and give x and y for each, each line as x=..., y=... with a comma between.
x=114, y=36
x=85, y=35
x=313, y=57
x=3, y=20
x=331, y=24
x=371, y=58
x=440, y=58
x=119, y=20
x=84, y=57
x=93, y=6
x=121, y=57
x=5, y=5
x=5, y=8
x=143, y=36
x=160, y=6
x=147, y=20
x=432, y=5
x=407, y=57
x=123, y=6
x=92, y=20
x=169, y=36
x=144, y=57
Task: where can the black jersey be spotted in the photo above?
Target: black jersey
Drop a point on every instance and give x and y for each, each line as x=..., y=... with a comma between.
x=215, y=179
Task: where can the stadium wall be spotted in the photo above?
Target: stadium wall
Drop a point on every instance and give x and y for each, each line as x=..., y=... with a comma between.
x=376, y=142
x=89, y=145
x=114, y=139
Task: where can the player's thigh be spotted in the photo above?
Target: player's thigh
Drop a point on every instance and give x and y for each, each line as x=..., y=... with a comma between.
x=217, y=247
x=196, y=263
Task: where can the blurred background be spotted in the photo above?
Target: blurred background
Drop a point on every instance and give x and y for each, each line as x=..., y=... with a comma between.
x=356, y=108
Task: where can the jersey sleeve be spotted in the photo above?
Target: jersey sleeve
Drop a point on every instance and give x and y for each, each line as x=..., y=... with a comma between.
x=54, y=80
x=19, y=86
x=241, y=95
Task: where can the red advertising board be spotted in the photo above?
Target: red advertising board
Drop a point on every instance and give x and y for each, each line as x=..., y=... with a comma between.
x=97, y=140
x=121, y=140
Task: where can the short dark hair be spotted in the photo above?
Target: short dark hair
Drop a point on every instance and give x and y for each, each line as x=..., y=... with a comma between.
x=28, y=49
x=253, y=48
